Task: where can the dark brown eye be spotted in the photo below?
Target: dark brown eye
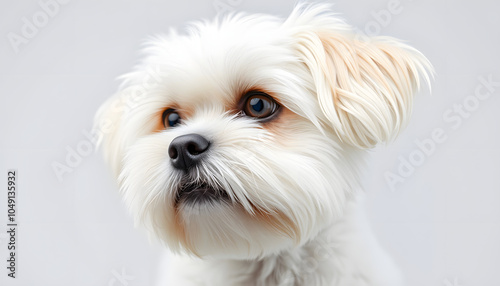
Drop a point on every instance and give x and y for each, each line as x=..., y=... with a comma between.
x=171, y=118
x=259, y=105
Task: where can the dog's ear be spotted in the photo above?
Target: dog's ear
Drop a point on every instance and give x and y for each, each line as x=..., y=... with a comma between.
x=107, y=124
x=364, y=85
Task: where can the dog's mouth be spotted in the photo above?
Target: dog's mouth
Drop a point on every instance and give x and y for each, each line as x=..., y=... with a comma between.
x=199, y=193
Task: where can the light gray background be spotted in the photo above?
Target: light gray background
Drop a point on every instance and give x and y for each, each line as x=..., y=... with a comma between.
x=442, y=224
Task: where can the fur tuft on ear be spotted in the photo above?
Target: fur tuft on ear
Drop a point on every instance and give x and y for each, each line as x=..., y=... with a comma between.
x=107, y=124
x=364, y=85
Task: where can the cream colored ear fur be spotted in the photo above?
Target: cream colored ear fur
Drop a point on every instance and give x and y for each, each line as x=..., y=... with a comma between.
x=365, y=86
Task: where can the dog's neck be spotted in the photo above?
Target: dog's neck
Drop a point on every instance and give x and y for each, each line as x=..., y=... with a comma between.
x=309, y=264
x=346, y=253
x=328, y=259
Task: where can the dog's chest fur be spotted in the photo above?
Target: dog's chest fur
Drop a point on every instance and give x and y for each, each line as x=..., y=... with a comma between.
x=347, y=254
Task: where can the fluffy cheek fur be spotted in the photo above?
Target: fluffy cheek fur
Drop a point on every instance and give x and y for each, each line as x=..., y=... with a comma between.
x=280, y=188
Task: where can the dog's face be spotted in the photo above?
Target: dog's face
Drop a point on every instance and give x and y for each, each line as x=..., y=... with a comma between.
x=240, y=139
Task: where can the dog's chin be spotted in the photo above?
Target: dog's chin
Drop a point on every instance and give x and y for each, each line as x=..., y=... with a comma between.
x=213, y=225
x=224, y=230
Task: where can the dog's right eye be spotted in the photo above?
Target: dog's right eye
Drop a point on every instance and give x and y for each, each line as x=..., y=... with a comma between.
x=171, y=118
x=259, y=105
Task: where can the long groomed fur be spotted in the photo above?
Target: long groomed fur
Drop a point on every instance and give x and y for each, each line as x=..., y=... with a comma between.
x=282, y=188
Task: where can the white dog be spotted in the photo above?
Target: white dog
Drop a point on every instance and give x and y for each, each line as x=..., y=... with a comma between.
x=238, y=145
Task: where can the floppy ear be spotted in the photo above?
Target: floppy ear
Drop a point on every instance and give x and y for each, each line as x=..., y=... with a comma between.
x=107, y=125
x=364, y=86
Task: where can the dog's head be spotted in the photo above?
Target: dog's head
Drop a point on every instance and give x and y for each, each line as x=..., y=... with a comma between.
x=240, y=138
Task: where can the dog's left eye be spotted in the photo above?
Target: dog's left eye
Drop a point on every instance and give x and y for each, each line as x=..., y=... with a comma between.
x=259, y=105
x=171, y=118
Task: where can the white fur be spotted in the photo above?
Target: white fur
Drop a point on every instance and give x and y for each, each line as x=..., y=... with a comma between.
x=294, y=215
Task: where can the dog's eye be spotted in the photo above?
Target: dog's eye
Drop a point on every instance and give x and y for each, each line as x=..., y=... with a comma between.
x=259, y=105
x=171, y=118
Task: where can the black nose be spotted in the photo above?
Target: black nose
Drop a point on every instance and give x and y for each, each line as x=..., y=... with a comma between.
x=187, y=150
